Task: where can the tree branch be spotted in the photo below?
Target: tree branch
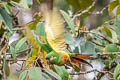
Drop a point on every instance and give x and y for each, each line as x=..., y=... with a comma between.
x=106, y=68
x=94, y=70
x=98, y=35
x=86, y=10
x=103, y=55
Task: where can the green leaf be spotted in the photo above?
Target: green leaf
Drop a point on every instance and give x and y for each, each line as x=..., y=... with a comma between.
x=40, y=29
x=45, y=76
x=17, y=47
x=117, y=25
x=108, y=32
x=87, y=47
x=116, y=72
x=19, y=44
x=22, y=48
x=69, y=39
x=62, y=72
x=50, y=72
x=22, y=75
x=35, y=73
x=69, y=21
x=6, y=18
x=114, y=36
x=118, y=10
x=111, y=48
x=12, y=52
x=6, y=67
x=112, y=6
x=7, y=8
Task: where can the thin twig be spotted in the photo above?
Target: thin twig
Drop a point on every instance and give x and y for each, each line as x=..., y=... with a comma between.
x=21, y=67
x=95, y=75
x=99, y=12
x=4, y=47
x=94, y=70
x=112, y=53
x=17, y=29
x=86, y=10
x=17, y=12
x=8, y=54
x=97, y=43
x=4, y=74
x=102, y=55
x=10, y=59
x=106, y=68
x=105, y=38
x=97, y=34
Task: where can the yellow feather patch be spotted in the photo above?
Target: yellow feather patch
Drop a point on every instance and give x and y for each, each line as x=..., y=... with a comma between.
x=55, y=30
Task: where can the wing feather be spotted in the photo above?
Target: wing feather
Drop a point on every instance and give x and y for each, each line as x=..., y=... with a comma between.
x=55, y=30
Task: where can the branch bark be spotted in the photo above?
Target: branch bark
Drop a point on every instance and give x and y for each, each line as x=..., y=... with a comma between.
x=94, y=70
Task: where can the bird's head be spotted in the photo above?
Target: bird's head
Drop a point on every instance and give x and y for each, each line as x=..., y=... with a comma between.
x=53, y=57
x=57, y=58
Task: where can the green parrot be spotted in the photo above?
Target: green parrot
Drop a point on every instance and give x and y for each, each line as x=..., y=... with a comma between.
x=55, y=32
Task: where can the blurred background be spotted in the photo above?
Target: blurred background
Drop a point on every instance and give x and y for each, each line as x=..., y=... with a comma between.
x=92, y=19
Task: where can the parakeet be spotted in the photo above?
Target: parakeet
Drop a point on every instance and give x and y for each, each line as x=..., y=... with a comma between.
x=55, y=32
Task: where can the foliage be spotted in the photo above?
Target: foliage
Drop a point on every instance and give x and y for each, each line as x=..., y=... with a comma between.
x=36, y=48
x=117, y=72
x=113, y=5
x=6, y=18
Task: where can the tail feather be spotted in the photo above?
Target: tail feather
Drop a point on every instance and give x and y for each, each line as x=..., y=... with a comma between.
x=83, y=56
x=72, y=64
x=80, y=61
